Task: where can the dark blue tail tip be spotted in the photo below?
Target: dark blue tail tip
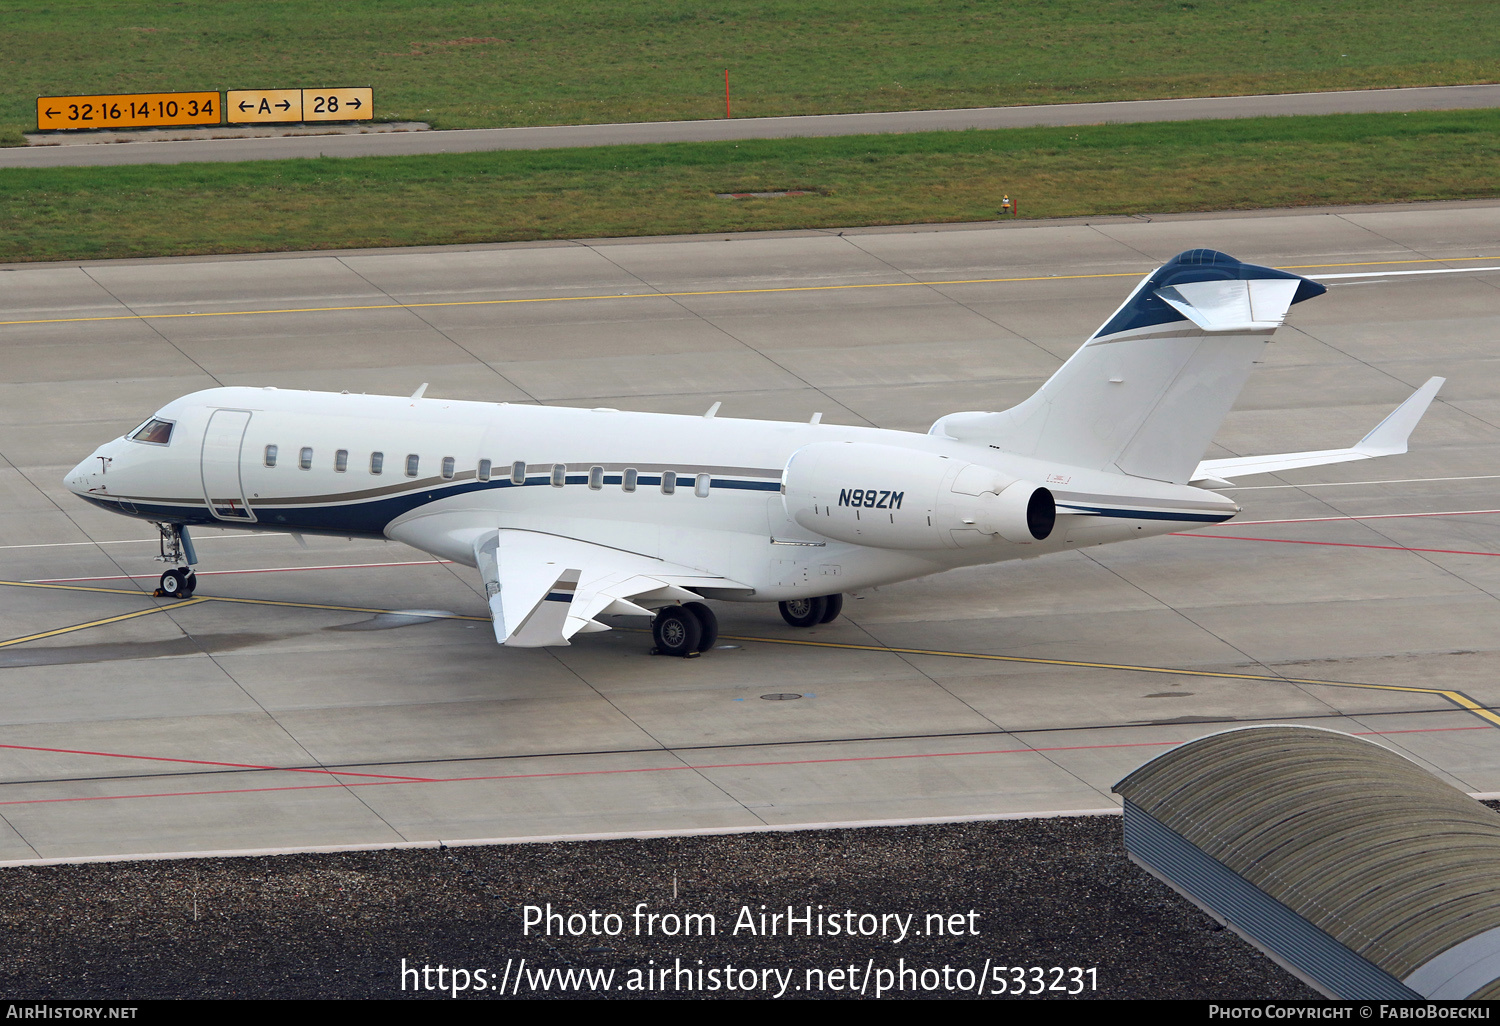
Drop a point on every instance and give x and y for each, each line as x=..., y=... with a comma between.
x=1145, y=308
x=1208, y=264
x=1200, y=257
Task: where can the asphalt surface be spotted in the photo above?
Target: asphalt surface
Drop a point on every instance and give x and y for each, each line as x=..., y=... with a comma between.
x=280, y=709
x=481, y=140
x=1360, y=624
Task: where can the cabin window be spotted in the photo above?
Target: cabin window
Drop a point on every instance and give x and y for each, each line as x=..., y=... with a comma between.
x=668, y=482
x=448, y=464
x=596, y=478
x=270, y=455
x=628, y=481
x=518, y=472
x=411, y=464
x=341, y=460
x=377, y=462
x=484, y=470
x=700, y=486
x=559, y=474
x=157, y=432
x=304, y=458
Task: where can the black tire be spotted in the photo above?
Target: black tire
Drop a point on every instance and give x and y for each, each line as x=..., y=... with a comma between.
x=835, y=607
x=806, y=612
x=174, y=584
x=676, y=632
x=706, y=620
x=189, y=583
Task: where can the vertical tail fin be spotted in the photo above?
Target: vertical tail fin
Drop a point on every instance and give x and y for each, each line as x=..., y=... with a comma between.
x=1147, y=392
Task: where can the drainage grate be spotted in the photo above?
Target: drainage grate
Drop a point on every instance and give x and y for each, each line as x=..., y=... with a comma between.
x=781, y=697
x=764, y=195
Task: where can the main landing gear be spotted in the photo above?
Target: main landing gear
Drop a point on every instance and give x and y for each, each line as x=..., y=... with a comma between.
x=810, y=612
x=176, y=547
x=687, y=630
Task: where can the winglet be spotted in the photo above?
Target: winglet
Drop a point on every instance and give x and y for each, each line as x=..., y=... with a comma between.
x=1390, y=435
x=544, y=624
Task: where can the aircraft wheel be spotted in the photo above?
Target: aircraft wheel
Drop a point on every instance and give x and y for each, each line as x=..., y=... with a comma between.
x=189, y=582
x=706, y=620
x=835, y=607
x=174, y=584
x=806, y=612
x=677, y=632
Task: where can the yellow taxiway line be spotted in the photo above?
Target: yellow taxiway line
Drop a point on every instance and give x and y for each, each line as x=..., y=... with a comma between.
x=672, y=295
x=98, y=623
x=178, y=604
x=1457, y=698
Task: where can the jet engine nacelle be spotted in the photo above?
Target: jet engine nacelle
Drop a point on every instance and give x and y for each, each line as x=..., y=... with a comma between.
x=895, y=498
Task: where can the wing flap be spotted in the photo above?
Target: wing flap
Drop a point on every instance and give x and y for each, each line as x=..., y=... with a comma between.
x=545, y=588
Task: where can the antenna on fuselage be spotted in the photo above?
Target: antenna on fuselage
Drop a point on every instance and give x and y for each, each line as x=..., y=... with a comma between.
x=418, y=393
x=713, y=411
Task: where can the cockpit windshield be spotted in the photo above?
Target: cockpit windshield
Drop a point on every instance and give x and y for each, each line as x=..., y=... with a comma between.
x=157, y=432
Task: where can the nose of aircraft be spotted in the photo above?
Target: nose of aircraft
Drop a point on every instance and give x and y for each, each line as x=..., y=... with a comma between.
x=86, y=477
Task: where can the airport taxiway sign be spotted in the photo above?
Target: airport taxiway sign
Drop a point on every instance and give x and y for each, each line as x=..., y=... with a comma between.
x=244, y=106
x=126, y=110
x=338, y=104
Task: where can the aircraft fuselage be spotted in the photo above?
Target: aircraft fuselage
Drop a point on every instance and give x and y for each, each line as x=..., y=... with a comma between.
x=704, y=492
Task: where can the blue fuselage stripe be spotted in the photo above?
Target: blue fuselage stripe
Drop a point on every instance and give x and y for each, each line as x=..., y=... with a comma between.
x=367, y=517
x=1149, y=514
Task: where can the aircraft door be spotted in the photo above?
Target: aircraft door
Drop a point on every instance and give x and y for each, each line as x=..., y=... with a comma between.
x=222, y=486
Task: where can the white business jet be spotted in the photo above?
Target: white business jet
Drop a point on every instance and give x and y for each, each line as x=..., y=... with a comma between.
x=571, y=515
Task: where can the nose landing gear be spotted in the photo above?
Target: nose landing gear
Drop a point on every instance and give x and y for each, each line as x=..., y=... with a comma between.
x=176, y=547
x=178, y=582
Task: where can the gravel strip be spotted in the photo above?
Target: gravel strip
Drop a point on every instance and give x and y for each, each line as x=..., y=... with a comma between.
x=1053, y=892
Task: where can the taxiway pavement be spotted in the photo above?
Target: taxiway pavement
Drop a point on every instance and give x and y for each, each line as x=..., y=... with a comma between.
x=342, y=143
x=285, y=707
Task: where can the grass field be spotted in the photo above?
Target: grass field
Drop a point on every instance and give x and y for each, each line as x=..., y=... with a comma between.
x=76, y=213
x=471, y=65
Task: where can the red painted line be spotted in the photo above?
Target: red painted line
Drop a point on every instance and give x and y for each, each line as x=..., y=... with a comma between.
x=1377, y=516
x=265, y=570
x=1341, y=545
x=585, y=773
x=193, y=794
x=611, y=772
x=814, y=762
x=1413, y=730
x=206, y=762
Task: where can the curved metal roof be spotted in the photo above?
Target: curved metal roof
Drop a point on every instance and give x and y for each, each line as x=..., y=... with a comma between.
x=1367, y=846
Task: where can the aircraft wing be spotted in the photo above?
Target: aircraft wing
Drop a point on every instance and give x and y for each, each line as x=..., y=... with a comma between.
x=544, y=588
x=1387, y=439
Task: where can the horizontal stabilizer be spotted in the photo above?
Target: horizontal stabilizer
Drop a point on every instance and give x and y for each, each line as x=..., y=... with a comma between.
x=1387, y=439
x=1232, y=306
